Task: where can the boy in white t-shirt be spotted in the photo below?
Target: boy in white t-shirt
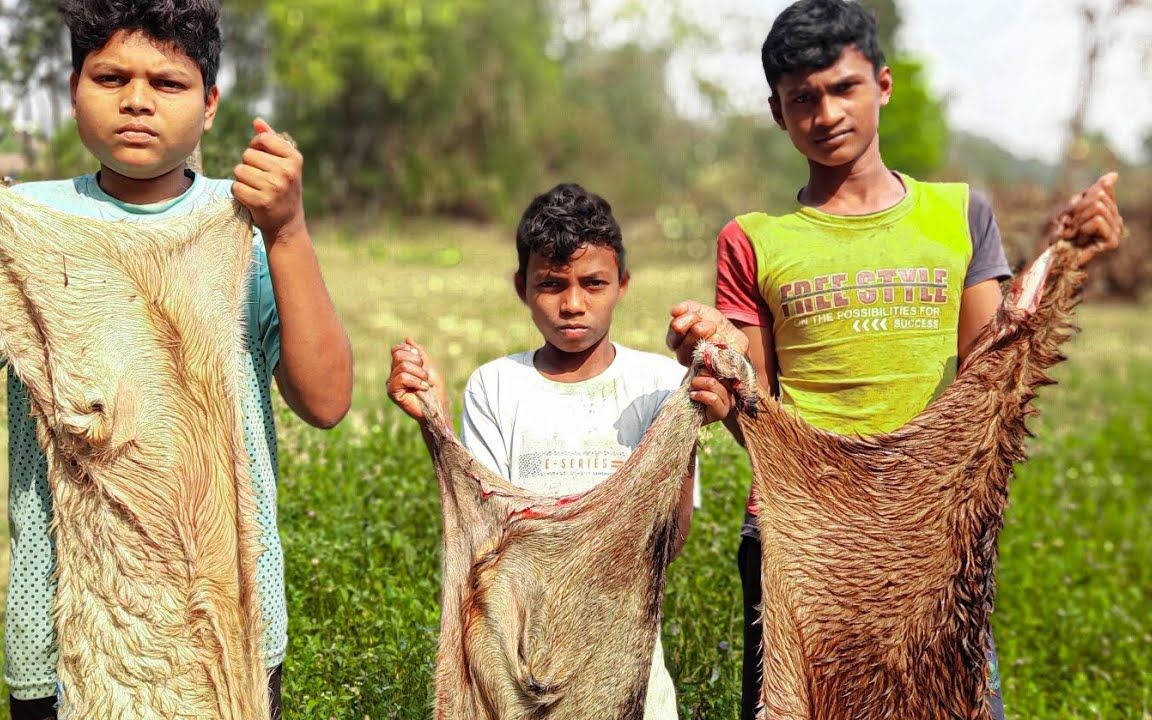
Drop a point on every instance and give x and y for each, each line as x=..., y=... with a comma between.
x=560, y=419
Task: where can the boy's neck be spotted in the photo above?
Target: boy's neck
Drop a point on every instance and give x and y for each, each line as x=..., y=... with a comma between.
x=861, y=187
x=171, y=184
x=560, y=366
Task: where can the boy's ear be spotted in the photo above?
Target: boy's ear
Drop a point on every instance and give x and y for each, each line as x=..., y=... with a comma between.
x=777, y=115
x=73, y=81
x=884, y=80
x=624, y=279
x=211, y=105
x=521, y=286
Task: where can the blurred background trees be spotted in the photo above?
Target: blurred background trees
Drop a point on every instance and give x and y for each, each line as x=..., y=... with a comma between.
x=465, y=108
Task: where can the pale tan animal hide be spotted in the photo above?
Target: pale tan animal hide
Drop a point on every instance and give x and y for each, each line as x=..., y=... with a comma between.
x=551, y=605
x=127, y=336
x=879, y=554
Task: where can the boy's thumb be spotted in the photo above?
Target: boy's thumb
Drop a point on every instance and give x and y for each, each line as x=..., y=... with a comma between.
x=260, y=125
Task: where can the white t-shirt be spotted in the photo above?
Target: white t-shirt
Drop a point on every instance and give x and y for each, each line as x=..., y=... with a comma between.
x=555, y=438
x=558, y=439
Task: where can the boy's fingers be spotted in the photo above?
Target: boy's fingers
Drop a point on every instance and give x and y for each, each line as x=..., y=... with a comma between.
x=415, y=383
x=259, y=159
x=703, y=382
x=404, y=383
x=1100, y=209
x=684, y=306
x=674, y=337
x=407, y=367
x=684, y=320
x=273, y=144
x=406, y=352
x=254, y=180
x=1108, y=182
x=1096, y=226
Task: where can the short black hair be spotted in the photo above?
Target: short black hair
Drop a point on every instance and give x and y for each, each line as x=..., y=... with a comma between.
x=563, y=220
x=193, y=26
x=811, y=35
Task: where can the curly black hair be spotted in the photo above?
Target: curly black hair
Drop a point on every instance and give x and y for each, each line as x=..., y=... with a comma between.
x=564, y=219
x=811, y=34
x=193, y=26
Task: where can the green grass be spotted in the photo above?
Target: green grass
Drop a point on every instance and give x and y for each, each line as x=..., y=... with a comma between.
x=360, y=515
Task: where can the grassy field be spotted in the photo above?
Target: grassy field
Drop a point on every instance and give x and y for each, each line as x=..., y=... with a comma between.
x=360, y=516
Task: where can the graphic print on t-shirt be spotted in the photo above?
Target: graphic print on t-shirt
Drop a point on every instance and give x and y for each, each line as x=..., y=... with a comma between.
x=865, y=308
x=552, y=466
x=871, y=300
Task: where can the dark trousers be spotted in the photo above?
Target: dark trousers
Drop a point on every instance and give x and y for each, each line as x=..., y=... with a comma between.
x=45, y=708
x=748, y=559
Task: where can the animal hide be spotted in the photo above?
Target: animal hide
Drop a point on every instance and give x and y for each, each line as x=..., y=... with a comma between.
x=879, y=554
x=551, y=606
x=127, y=338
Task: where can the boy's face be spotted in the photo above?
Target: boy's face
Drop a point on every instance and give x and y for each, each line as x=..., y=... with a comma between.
x=832, y=115
x=140, y=106
x=572, y=304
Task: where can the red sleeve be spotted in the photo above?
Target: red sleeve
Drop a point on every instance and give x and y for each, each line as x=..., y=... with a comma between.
x=737, y=292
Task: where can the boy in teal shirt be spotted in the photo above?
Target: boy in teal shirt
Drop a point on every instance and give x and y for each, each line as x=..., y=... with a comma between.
x=143, y=92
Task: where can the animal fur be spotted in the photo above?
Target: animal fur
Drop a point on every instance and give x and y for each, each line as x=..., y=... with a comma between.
x=551, y=605
x=879, y=554
x=126, y=335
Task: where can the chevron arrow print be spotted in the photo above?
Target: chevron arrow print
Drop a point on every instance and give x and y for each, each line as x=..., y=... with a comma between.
x=870, y=324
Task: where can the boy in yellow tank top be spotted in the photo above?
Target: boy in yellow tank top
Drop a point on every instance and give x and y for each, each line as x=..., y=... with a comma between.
x=860, y=301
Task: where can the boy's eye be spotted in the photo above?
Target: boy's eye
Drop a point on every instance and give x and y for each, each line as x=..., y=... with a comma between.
x=110, y=79
x=169, y=84
x=801, y=99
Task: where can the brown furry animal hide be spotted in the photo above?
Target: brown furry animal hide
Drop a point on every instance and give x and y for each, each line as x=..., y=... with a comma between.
x=126, y=335
x=879, y=553
x=551, y=606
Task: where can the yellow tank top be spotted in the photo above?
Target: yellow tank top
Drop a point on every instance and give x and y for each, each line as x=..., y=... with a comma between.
x=865, y=308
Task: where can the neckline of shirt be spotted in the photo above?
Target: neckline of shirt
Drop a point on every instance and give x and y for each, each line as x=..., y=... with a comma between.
x=882, y=217
x=608, y=373
x=91, y=187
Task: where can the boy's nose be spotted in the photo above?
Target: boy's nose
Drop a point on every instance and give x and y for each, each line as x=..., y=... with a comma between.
x=572, y=301
x=830, y=111
x=137, y=98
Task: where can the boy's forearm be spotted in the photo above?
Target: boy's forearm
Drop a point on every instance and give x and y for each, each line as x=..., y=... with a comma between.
x=315, y=371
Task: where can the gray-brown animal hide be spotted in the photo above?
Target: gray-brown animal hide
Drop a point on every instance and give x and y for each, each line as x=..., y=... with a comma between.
x=127, y=336
x=551, y=606
x=879, y=553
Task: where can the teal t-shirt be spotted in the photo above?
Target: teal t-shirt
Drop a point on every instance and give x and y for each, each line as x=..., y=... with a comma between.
x=29, y=636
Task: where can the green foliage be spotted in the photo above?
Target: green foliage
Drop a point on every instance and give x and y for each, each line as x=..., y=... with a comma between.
x=35, y=47
x=888, y=22
x=322, y=45
x=9, y=142
x=913, y=127
x=418, y=107
x=68, y=157
x=222, y=146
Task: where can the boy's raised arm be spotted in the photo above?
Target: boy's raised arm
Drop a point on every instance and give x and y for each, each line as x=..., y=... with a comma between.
x=315, y=370
x=1092, y=213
